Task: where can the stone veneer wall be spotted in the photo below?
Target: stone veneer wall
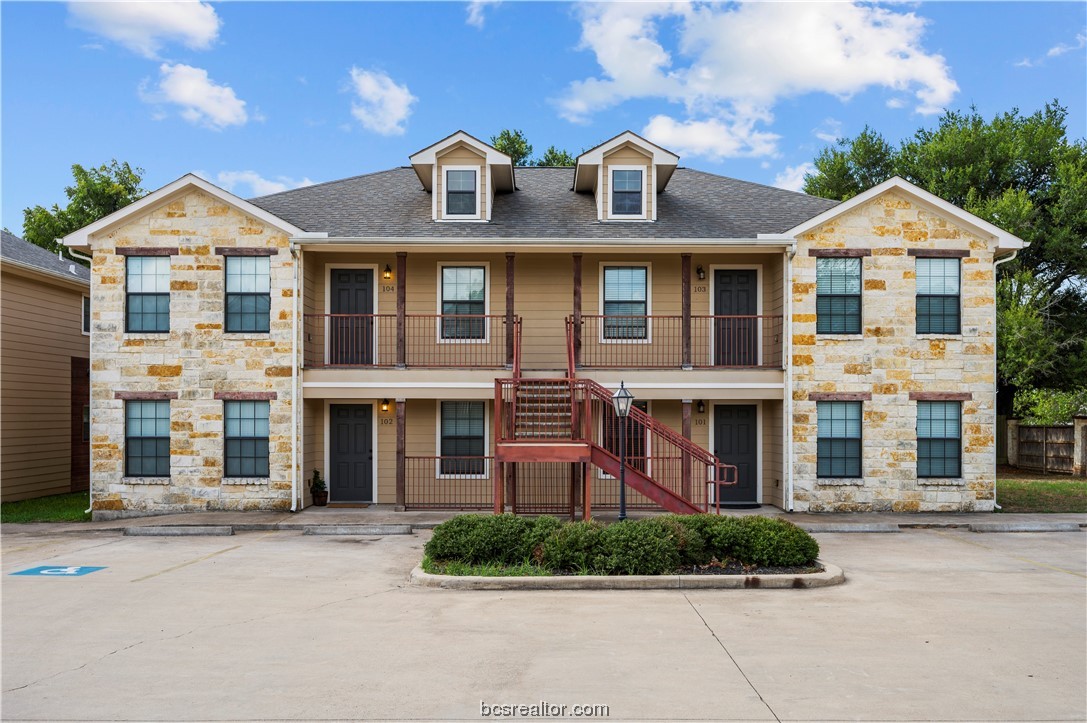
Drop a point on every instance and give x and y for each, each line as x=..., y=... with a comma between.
x=890, y=360
x=196, y=360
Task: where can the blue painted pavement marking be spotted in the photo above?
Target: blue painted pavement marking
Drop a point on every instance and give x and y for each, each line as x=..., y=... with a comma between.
x=59, y=571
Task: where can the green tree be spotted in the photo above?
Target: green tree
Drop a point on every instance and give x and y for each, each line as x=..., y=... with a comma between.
x=97, y=193
x=851, y=166
x=514, y=144
x=555, y=157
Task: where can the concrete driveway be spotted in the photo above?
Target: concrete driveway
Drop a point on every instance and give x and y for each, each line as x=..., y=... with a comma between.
x=931, y=624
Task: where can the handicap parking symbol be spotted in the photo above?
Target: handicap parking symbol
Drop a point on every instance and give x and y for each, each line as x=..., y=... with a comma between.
x=59, y=571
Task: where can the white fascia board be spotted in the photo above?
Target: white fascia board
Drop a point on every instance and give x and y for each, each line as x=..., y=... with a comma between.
x=1004, y=239
x=81, y=238
x=661, y=156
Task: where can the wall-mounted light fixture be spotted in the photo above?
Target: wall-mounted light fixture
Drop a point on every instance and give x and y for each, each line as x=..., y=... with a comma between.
x=701, y=407
x=387, y=274
x=701, y=273
x=384, y=405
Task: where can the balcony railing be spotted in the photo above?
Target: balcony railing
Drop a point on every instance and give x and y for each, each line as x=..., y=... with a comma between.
x=675, y=342
x=448, y=483
x=429, y=341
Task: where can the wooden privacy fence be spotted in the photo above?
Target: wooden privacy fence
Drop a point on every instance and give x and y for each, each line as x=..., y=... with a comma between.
x=1047, y=449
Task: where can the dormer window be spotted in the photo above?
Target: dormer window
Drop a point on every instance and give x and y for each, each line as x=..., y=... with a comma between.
x=627, y=198
x=462, y=192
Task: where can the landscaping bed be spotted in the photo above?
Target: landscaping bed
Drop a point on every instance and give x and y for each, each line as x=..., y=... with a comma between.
x=671, y=545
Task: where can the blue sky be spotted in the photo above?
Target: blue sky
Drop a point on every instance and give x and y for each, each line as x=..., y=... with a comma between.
x=264, y=96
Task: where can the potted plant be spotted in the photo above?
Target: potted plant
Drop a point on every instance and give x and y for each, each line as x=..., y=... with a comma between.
x=318, y=489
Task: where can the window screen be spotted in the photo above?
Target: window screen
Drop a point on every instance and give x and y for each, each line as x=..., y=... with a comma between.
x=626, y=294
x=939, y=439
x=147, y=438
x=839, y=446
x=838, y=296
x=462, y=441
x=147, y=298
x=937, y=296
x=246, y=426
x=248, y=293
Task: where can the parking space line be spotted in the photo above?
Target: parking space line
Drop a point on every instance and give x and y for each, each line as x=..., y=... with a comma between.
x=185, y=564
x=1014, y=557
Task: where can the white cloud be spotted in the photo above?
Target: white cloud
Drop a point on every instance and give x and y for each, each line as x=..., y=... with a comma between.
x=829, y=130
x=896, y=103
x=733, y=63
x=1062, y=48
x=792, y=178
x=201, y=100
x=144, y=27
x=257, y=184
x=383, y=106
x=714, y=138
x=476, y=8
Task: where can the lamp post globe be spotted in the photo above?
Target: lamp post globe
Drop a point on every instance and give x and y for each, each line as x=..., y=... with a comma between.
x=622, y=400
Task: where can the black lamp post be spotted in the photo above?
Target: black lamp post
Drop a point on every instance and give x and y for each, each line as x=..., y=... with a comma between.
x=622, y=400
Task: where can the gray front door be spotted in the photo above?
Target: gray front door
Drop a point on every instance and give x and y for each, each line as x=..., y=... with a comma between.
x=736, y=341
x=351, y=326
x=735, y=442
x=351, y=453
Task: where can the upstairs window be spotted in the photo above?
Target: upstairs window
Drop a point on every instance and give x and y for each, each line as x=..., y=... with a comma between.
x=462, y=438
x=626, y=302
x=839, y=439
x=939, y=439
x=838, y=296
x=248, y=294
x=464, y=293
x=462, y=193
x=147, y=297
x=627, y=193
x=938, y=296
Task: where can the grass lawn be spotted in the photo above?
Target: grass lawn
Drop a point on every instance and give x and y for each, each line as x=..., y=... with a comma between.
x=1022, y=491
x=56, y=508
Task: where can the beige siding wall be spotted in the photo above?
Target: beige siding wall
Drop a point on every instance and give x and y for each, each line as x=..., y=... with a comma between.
x=773, y=453
x=890, y=360
x=462, y=155
x=42, y=331
x=628, y=155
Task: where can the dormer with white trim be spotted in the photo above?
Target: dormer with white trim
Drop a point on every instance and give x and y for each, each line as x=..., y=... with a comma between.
x=625, y=174
x=462, y=174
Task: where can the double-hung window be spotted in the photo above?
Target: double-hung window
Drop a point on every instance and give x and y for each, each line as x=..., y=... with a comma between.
x=464, y=302
x=937, y=296
x=246, y=448
x=839, y=439
x=248, y=294
x=626, y=302
x=939, y=439
x=462, y=445
x=627, y=193
x=461, y=193
x=86, y=315
x=838, y=295
x=147, y=438
x=147, y=297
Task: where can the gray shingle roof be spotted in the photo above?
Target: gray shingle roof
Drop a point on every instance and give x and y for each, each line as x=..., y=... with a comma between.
x=393, y=204
x=13, y=248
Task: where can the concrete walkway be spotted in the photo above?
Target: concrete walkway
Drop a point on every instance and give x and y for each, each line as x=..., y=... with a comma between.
x=386, y=515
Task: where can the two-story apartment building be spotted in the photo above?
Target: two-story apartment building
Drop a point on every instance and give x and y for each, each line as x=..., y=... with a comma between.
x=447, y=335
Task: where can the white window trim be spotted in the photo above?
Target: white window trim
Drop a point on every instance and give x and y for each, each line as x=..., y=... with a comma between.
x=648, y=302
x=612, y=216
x=328, y=445
x=329, y=266
x=601, y=474
x=84, y=322
x=438, y=440
x=759, y=293
x=486, y=302
x=446, y=216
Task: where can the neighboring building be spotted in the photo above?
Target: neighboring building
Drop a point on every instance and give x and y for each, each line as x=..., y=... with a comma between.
x=448, y=335
x=44, y=392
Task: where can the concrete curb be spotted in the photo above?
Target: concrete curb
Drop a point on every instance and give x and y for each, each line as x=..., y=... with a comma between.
x=816, y=527
x=180, y=531
x=831, y=575
x=357, y=530
x=1024, y=527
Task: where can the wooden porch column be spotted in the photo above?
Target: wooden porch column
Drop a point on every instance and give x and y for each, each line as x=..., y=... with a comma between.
x=401, y=455
x=401, y=309
x=577, y=310
x=685, y=479
x=685, y=300
x=509, y=309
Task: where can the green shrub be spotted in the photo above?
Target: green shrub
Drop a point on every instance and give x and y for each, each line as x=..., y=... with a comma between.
x=541, y=529
x=642, y=547
x=481, y=539
x=690, y=538
x=773, y=542
x=1050, y=406
x=573, y=548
